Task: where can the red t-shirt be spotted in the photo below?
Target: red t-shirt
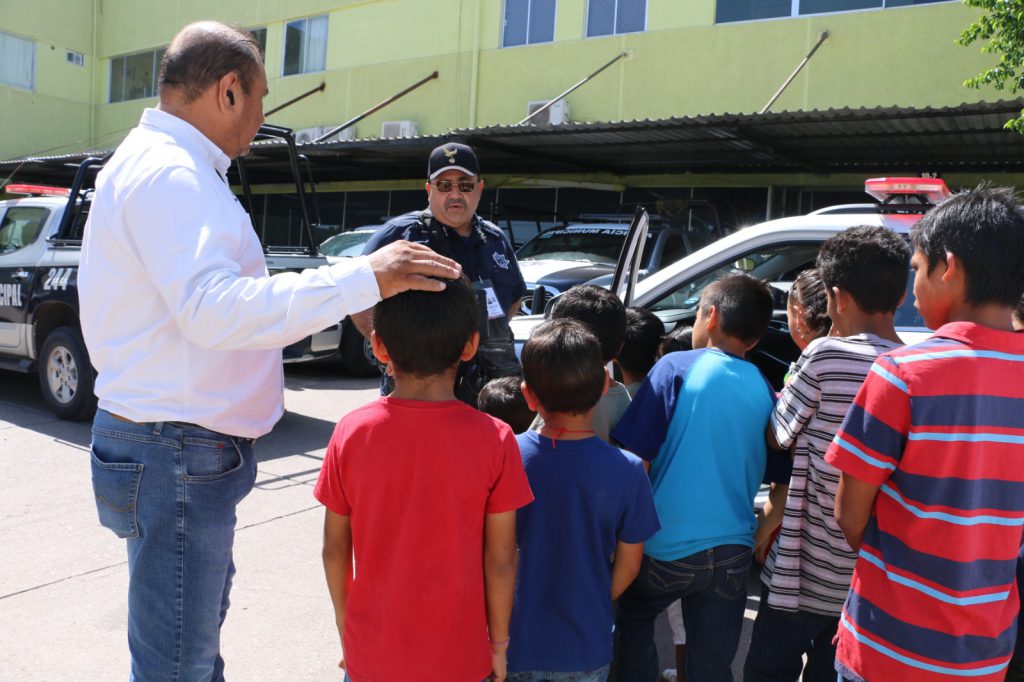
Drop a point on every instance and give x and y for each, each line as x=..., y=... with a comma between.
x=417, y=479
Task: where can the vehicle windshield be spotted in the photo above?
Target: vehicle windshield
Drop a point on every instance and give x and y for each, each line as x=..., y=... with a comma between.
x=592, y=244
x=346, y=243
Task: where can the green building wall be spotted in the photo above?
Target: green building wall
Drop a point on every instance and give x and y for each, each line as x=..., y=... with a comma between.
x=682, y=65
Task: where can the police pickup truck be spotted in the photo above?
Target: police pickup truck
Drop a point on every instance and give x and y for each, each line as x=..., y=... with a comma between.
x=40, y=246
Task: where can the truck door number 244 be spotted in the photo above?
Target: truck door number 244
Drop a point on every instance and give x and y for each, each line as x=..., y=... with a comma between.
x=57, y=278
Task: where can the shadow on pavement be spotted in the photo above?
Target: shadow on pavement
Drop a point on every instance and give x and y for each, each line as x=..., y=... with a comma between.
x=22, y=406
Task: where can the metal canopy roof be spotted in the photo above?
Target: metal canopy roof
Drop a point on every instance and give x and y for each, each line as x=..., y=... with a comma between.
x=964, y=138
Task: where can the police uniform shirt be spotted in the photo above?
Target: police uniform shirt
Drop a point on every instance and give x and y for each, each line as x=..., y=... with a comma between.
x=485, y=254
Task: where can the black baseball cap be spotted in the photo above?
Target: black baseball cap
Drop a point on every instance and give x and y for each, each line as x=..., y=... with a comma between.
x=452, y=156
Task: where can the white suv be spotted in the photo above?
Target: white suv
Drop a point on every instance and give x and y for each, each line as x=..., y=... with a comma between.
x=776, y=251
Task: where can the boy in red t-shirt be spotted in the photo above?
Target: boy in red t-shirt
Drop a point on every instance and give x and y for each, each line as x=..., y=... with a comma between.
x=930, y=452
x=421, y=492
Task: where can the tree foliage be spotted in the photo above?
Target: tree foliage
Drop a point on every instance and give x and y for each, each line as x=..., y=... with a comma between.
x=1003, y=26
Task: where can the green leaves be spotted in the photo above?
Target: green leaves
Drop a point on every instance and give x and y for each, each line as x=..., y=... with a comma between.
x=1003, y=27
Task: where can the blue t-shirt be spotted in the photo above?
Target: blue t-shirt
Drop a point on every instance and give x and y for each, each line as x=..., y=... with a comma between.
x=588, y=496
x=700, y=417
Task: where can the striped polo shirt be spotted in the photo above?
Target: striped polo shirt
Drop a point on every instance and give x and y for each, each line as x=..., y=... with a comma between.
x=939, y=426
x=810, y=563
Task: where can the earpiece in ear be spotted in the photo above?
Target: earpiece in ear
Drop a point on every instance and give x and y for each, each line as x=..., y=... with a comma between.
x=231, y=98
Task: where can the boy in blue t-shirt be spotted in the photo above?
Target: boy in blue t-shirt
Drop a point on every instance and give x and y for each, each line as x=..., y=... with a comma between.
x=700, y=418
x=591, y=500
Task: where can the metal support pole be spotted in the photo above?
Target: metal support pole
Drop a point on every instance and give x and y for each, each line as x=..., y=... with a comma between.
x=566, y=93
x=293, y=100
x=377, y=107
x=803, y=62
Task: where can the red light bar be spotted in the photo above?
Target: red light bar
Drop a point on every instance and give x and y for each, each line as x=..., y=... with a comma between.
x=37, y=190
x=882, y=188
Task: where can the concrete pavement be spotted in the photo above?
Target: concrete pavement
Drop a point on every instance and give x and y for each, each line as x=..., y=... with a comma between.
x=63, y=577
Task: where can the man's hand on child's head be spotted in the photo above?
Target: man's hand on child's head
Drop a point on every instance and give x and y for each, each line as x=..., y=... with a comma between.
x=401, y=266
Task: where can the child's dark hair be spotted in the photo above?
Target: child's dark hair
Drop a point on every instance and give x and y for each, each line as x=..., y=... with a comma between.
x=600, y=310
x=870, y=263
x=639, y=351
x=809, y=292
x=503, y=398
x=984, y=228
x=425, y=332
x=744, y=304
x=680, y=338
x=563, y=366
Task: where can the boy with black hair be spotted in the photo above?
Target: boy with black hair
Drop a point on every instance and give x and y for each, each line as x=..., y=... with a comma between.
x=806, y=576
x=931, y=494
x=699, y=418
x=503, y=398
x=603, y=314
x=680, y=338
x=592, y=501
x=418, y=487
x=639, y=351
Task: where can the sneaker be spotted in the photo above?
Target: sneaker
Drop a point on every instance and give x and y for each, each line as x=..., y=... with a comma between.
x=669, y=675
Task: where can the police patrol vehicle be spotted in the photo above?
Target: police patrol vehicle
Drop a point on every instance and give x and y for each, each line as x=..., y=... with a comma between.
x=40, y=247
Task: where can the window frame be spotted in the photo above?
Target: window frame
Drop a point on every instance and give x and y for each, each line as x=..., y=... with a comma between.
x=794, y=11
x=155, y=83
x=303, y=58
x=265, y=34
x=32, y=74
x=615, y=16
x=529, y=9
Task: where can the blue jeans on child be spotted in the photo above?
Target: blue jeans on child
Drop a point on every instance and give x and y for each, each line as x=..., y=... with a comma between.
x=171, y=490
x=599, y=675
x=713, y=586
x=780, y=640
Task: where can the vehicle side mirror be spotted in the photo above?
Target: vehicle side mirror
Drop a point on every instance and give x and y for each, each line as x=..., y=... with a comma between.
x=745, y=264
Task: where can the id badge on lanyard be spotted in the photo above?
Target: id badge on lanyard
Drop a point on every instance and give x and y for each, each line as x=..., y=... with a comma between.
x=492, y=305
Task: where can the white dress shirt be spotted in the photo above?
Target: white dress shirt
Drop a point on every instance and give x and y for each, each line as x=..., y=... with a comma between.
x=180, y=317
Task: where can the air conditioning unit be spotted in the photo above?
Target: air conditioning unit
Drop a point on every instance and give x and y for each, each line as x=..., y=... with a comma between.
x=314, y=133
x=346, y=135
x=307, y=135
x=557, y=113
x=399, y=129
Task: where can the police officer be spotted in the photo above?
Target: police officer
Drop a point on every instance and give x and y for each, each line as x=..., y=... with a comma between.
x=451, y=227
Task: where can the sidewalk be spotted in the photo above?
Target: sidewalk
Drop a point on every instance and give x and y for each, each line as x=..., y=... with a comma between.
x=63, y=578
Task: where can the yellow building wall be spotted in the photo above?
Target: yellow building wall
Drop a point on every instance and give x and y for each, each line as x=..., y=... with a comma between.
x=55, y=116
x=682, y=65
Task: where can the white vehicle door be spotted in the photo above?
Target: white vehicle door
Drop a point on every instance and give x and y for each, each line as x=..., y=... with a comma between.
x=627, y=269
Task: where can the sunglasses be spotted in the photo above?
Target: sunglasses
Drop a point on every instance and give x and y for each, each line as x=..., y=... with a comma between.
x=445, y=186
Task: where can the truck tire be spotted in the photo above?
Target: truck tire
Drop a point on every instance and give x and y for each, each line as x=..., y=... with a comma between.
x=356, y=356
x=66, y=376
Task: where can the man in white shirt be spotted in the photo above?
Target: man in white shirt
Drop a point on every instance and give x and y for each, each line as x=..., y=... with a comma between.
x=185, y=329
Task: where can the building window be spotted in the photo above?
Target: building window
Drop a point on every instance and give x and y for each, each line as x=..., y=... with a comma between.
x=134, y=76
x=750, y=10
x=260, y=34
x=528, y=22
x=305, y=45
x=607, y=17
x=17, y=61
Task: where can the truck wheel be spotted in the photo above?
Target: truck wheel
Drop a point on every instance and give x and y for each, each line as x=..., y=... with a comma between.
x=356, y=355
x=66, y=376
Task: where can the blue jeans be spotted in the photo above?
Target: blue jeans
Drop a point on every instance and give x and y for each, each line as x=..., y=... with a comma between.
x=171, y=490
x=599, y=675
x=713, y=586
x=780, y=640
